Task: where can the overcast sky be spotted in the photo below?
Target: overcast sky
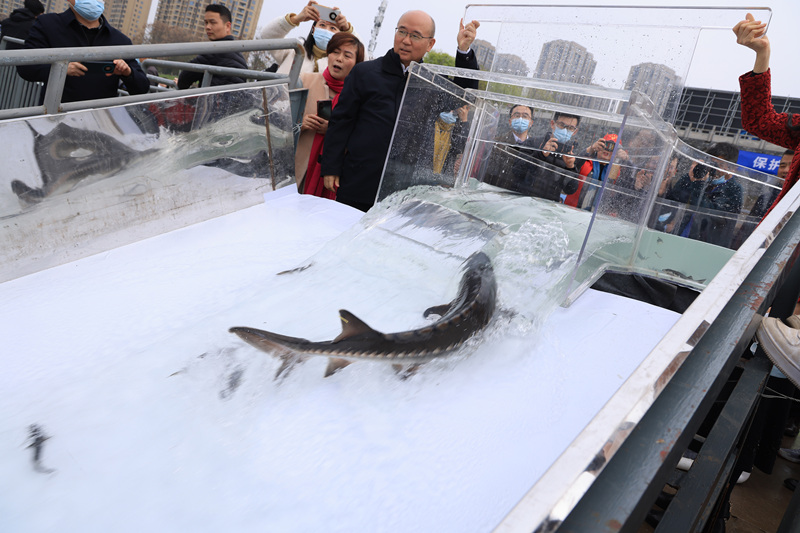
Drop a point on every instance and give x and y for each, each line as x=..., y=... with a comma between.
x=717, y=62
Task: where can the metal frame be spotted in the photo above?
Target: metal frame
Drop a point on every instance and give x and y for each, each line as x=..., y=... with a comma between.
x=625, y=490
x=59, y=58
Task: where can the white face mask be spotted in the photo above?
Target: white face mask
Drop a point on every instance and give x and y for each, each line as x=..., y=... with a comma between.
x=89, y=9
x=322, y=38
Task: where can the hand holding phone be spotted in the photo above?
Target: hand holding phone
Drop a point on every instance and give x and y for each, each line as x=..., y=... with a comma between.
x=99, y=67
x=327, y=13
x=324, y=109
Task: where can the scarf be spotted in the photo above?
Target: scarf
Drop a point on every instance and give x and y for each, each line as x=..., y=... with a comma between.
x=332, y=83
x=314, y=184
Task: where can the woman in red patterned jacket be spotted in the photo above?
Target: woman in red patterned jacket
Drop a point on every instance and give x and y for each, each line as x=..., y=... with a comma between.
x=758, y=114
x=780, y=340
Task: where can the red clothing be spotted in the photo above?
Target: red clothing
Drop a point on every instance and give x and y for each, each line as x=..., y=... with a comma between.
x=760, y=118
x=314, y=183
x=572, y=199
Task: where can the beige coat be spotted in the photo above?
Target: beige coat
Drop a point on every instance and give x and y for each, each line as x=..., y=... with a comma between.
x=317, y=90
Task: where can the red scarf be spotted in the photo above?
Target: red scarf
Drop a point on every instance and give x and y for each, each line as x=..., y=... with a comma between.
x=314, y=183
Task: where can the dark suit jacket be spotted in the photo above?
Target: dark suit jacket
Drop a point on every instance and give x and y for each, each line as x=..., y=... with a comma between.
x=229, y=59
x=362, y=123
x=62, y=30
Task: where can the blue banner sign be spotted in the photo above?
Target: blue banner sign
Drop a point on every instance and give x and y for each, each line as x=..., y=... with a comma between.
x=763, y=162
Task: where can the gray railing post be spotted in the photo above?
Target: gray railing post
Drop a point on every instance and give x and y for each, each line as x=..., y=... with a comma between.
x=55, y=86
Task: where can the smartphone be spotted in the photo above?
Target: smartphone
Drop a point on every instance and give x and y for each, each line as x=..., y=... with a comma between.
x=324, y=108
x=99, y=67
x=327, y=13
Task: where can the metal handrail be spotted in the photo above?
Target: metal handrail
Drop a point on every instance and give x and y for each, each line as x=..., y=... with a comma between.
x=59, y=58
x=210, y=70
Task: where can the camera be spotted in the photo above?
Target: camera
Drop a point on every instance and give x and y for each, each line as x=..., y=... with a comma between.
x=561, y=148
x=327, y=13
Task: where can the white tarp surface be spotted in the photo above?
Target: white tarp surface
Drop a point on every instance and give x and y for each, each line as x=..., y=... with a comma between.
x=161, y=420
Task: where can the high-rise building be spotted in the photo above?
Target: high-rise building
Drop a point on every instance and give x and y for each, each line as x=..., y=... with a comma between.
x=189, y=15
x=657, y=81
x=50, y=6
x=565, y=61
x=488, y=58
x=128, y=16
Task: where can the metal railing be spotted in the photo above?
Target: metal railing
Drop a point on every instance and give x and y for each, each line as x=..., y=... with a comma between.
x=59, y=58
x=14, y=91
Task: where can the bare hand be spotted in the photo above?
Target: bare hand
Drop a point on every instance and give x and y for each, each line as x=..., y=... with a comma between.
x=121, y=68
x=342, y=22
x=463, y=113
x=466, y=34
x=315, y=123
x=309, y=12
x=751, y=33
x=76, y=69
x=331, y=182
x=550, y=146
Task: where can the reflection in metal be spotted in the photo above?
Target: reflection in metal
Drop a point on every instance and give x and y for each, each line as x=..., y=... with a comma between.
x=66, y=155
x=102, y=178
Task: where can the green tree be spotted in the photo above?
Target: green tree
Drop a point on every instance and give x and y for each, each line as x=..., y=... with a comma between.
x=435, y=57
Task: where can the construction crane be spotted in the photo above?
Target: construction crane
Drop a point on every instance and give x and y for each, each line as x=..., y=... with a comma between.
x=376, y=28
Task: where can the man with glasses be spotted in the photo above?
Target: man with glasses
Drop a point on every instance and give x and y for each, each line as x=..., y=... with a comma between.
x=555, y=147
x=505, y=154
x=360, y=130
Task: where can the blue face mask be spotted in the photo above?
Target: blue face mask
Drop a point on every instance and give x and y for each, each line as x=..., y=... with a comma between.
x=89, y=9
x=717, y=181
x=321, y=38
x=562, y=135
x=448, y=117
x=520, y=125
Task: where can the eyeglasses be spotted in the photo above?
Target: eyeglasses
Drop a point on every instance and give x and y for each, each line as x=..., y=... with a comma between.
x=568, y=127
x=521, y=115
x=415, y=37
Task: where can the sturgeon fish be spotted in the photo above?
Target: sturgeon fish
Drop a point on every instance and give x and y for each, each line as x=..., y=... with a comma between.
x=468, y=313
x=66, y=155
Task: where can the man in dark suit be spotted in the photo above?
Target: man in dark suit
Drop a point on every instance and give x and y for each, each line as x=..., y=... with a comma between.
x=361, y=126
x=82, y=26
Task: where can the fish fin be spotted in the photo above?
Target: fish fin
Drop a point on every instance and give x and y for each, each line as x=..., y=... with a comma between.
x=26, y=193
x=289, y=360
x=335, y=364
x=406, y=371
x=440, y=310
x=352, y=326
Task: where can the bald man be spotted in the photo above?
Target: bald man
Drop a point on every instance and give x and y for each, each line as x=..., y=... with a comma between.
x=361, y=126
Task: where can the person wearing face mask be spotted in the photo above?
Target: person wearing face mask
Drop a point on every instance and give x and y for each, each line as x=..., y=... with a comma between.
x=316, y=43
x=704, y=190
x=500, y=170
x=450, y=131
x=83, y=25
x=344, y=52
x=217, y=21
x=555, y=147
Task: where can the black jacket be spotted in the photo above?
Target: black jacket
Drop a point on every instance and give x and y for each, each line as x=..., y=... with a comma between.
x=62, y=30
x=548, y=179
x=228, y=59
x=362, y=123
x=17, y=25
